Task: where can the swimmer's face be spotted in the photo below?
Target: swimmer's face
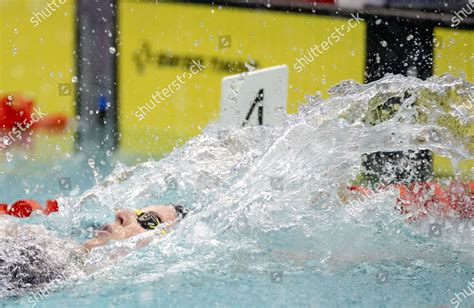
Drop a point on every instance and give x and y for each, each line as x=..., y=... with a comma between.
x=126, y=225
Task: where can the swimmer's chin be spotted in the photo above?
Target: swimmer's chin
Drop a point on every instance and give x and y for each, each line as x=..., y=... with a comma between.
x=103, y=238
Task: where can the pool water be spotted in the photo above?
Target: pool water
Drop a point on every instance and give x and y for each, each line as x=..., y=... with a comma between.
x=267, y=226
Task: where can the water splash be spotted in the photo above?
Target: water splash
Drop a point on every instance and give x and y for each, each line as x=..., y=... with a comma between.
x=268, y=197
x=254, y=187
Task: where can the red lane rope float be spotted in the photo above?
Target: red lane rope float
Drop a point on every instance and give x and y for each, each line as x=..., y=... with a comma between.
x=420, y=199
x=24, y=208
x=16, y=110
x=12, y=114
x=3, y=208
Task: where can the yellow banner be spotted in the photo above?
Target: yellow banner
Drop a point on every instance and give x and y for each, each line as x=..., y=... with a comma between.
x=453, y=54
x=37, y=39
x=159, y=43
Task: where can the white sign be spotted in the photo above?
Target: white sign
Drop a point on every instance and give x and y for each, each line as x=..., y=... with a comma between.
x=255, y=98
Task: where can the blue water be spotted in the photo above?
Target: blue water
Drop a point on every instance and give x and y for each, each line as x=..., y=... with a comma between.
x=267, y=227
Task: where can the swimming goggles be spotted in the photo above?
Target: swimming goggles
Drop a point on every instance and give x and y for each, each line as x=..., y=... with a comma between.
x=149, y=221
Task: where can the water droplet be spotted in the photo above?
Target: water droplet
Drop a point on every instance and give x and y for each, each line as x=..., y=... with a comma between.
x=112, y=50
x=74, y=79
x=384, y=43
x=250, y=65
x=377, y=58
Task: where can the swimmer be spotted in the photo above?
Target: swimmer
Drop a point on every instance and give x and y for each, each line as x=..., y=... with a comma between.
x=31, y=256
x=129, y=223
